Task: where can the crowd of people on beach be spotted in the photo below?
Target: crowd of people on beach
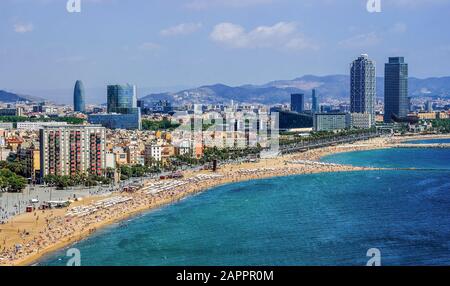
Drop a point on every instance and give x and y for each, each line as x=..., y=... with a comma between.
x=82, y=220
x=55, y=228
x=4, y=215
x=314, y=163
x=7, y=214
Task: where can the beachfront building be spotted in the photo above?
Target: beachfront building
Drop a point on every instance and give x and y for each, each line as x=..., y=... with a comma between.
x=158, y=154
x=133, y=155
x=291, y=120
x=120, y=156
x=30, y=158
x=331, y=121
x=396, y=100
x=432, y=115
x=360, y=120
x=363, y=87
x=74, y=149
x=153, y=154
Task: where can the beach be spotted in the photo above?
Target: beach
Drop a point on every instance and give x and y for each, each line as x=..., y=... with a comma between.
x=27, y=237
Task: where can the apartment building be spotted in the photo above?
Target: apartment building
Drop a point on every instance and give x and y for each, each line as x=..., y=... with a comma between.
x=70, y=150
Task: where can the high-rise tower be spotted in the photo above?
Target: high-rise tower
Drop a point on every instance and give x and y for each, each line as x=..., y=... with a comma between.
x=396, y=101
x=79, y=104
x=298, y=102
x=315, y=102
x=122, y=99
x=363, y=87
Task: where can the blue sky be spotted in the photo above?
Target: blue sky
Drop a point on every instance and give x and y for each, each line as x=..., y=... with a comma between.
x=176, y=43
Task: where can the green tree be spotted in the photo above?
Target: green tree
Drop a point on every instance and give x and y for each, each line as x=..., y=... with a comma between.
x=16, y=183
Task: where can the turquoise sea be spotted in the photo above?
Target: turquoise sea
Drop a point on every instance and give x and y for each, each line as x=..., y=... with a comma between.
x=432, y=158
x=321, y=219
x=430, y=141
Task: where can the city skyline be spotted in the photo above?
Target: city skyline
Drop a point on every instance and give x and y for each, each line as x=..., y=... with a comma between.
x=283, y=133
x=193, y=43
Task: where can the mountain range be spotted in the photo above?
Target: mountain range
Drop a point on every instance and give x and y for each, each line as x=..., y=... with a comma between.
x=275, y=92
x=10, y=97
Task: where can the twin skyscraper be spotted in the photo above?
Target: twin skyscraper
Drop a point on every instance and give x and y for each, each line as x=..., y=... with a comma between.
x=363, y=91
x=363, y=86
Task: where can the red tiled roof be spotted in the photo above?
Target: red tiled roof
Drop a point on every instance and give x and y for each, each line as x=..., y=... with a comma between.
x=14, y=140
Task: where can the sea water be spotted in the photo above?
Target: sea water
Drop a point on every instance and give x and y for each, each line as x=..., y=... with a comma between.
x=319, y=219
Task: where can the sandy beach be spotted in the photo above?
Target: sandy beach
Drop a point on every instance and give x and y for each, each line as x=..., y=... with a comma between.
x=27, y=237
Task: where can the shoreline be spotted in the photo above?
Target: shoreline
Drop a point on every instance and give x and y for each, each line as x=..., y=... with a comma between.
x=56, y=231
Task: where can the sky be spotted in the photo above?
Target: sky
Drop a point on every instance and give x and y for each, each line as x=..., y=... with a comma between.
x=171, y=44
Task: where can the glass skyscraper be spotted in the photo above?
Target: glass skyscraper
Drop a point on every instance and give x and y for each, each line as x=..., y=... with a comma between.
x=363, y=87
x=315, y=102
x=122, y=112
x=298, y=102
x=396, y=101
x=79, y=104
x=122, y=99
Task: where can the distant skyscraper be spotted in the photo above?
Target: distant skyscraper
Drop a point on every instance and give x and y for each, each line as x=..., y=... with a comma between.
x=429, y=106
x=298, y=102
x=315, y=102
x=122, y=99
x=123, y=112
x=79, y=104
x=396, y=101
x=363, y=87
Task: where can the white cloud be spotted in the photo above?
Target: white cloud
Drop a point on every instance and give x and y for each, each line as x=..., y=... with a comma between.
x=281, y=35
x=23, y=28
x=181, y=29
x=361, y=41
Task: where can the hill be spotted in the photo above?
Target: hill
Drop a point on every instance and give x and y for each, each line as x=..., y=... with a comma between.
x=329, y=87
